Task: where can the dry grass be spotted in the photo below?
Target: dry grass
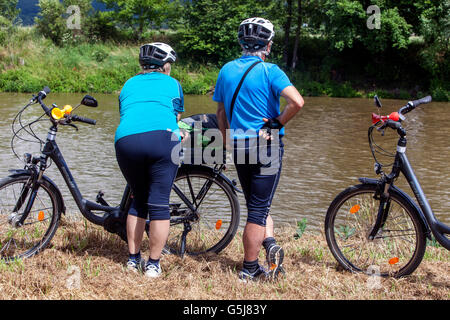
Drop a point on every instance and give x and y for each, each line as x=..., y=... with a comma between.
x=99, y=258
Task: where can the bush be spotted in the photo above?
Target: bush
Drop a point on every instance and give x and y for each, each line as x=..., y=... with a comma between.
x=51, y=23
x=338, y=90
x=440, y=94
x=4, y=26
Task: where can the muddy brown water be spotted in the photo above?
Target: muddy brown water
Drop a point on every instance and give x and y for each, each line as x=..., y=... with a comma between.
x=326, y=150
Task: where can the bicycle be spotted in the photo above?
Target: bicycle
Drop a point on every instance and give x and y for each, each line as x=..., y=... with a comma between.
x=204, y=207
x=376, y=227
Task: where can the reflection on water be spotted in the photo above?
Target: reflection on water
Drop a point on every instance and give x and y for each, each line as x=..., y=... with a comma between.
x=326, y=150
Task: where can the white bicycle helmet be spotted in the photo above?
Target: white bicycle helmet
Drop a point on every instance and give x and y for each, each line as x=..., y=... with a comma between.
x=255, y=33
x=155, y=55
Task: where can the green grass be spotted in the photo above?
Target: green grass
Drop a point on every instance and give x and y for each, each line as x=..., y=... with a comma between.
x=29, y=62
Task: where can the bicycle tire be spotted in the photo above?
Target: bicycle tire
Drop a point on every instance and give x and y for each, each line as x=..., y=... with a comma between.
x=395, y=260
x=214, y=229
x=44, y=216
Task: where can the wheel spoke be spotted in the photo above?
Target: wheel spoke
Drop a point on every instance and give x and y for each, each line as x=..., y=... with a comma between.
x=213, y=203
x=33, y=234
x=394, y=246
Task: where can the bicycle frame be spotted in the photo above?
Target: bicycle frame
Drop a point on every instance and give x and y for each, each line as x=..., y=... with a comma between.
x=114, y=215
x=52, y=151
x=402, y=165
x=112, y=218
x=438, y=229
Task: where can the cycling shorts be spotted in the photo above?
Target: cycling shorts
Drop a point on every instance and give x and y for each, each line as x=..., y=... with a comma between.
x=259, y=169
x=149, y=163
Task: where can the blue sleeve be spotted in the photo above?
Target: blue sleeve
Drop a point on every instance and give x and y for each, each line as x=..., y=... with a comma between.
x=178, y=103
x=278, y=80
x=218, y=92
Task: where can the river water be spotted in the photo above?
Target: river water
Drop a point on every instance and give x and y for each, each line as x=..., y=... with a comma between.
x=326, y=150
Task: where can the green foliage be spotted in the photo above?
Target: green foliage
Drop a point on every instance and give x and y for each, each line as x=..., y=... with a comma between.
x=51, y=24
x=338, y=55
x=5, y=25
x=8, y=9
x=8, y=14
x=433, y=243
x=301, y=227
x=102, y=28
x=52, y=21
x=195, y=80
x=435, y=29
x=210, y=27
x=394, y=32
x=346, y=23
x=138, y=15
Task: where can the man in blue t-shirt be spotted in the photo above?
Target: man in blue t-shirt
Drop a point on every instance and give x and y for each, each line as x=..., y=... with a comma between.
x=248, y=94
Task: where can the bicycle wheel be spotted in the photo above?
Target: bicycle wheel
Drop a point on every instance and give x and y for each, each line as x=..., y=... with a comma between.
x=40, y=225
x=398, y=247
x=217, y=208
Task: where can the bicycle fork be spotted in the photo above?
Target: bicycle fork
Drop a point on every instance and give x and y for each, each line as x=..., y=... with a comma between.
x=17, y=219
x=383, y=210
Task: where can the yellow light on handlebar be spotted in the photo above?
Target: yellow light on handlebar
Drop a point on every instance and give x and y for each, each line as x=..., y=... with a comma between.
x=58, y=113
x=67, y=109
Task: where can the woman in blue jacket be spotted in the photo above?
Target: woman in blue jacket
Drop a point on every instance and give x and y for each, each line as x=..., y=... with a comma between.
x=147, y=143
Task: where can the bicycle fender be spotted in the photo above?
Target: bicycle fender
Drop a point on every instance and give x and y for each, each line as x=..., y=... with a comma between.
x=185, y=168
x=407, y=198
x=14, y=173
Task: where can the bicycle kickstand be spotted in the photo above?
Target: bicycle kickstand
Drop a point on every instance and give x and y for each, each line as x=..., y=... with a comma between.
x=187, y=228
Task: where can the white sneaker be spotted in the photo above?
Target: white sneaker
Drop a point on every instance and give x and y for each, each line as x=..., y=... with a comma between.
x=152, y=271
x=135, y=266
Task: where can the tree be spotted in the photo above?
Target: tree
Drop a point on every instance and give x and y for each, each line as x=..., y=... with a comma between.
x=8, y=9
x=346, y=23
x=210, y=26
x=287, y=32
x=435, y=29
x=137, y=15
x=297, y=34
x=52, y=21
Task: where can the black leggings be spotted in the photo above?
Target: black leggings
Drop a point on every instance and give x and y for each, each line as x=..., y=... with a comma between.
x=259, y=178
x=149, y=163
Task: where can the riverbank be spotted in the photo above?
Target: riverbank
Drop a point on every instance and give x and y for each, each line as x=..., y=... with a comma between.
x=28, y=61
x=85, y=262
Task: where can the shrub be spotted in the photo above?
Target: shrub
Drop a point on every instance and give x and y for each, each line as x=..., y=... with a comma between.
x=51, y=23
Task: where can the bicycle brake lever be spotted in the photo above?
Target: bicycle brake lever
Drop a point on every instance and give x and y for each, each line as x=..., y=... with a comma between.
x=72, y=125
x=64, y=123
x=382, y=129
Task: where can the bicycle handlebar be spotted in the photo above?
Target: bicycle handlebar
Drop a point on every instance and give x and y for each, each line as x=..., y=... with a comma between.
x=391, y=124
x=397, y=117
x=418, y=102
x=83, y=119
x=414, y=104
x=43, y=94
